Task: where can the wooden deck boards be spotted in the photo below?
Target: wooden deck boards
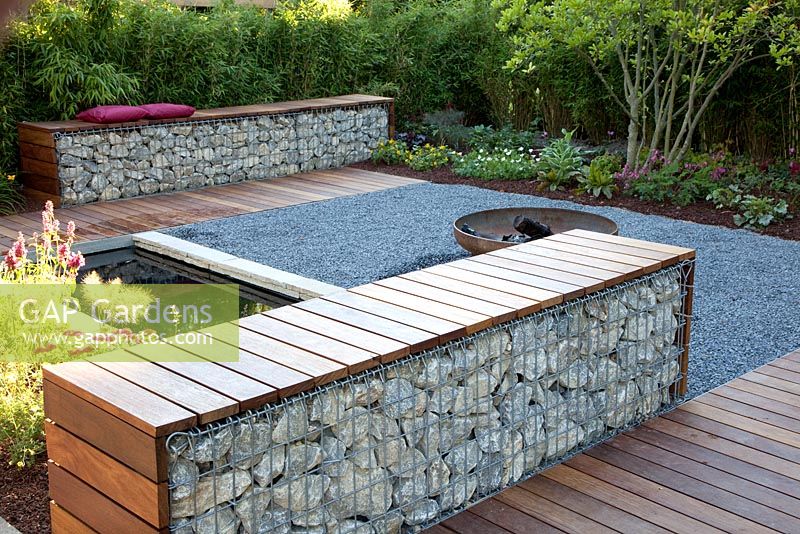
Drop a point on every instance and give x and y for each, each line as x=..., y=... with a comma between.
x=127, y=216
x=727, y=461
x=293, y=348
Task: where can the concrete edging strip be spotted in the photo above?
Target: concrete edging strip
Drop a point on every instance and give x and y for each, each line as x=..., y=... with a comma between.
x=264, y=276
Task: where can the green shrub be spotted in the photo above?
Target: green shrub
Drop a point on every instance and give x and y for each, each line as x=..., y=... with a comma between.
x=390, y=153
x=491, y=139
x=600, y=180
x=560, y=162
x=677, y=183
x=725, y=197
x=21, y=413
x=759, y=212
x=11, y=199
x=499, y=164
x=428, y=157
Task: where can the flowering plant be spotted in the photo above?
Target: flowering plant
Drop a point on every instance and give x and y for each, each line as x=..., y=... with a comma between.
x=498, y=164
x=428, y=157
x=21, y=413
x=55, y=261
x=390, y=152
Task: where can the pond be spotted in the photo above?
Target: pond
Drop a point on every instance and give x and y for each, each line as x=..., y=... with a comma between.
x=136, y=266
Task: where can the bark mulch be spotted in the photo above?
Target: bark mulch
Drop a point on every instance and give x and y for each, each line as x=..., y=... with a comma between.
x=24, y=502
x=701, y=212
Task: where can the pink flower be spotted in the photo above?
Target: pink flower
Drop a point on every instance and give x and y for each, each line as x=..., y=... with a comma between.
x=76, y=261
x=792, y=151
x=63, y=252
x=718, y=173
x=12, y=262
x=19, y=249
x=48, y=216
x=794, y=168
x=71, y=230
x=47, y=244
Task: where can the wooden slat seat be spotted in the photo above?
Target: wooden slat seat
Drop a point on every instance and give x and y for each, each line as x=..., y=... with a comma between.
x=292, y=349
x=44, y=160
x=294, y=106
x=288, y=349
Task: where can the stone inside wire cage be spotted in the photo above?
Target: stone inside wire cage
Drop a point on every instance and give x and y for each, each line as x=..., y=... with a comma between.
x=405, y=445
x=128, y=161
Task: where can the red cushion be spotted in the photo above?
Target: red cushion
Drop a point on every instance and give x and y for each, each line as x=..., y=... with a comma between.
x=111, y=114
x=167, y=111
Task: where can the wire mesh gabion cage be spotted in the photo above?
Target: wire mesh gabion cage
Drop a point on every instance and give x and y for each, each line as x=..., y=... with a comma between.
x=125, y=161
x=407, y=444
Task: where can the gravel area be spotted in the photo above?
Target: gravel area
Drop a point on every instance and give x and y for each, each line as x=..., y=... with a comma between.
x=747, y=295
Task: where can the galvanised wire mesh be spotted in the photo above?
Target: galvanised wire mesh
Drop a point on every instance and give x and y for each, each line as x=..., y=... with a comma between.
x=408, y=444
x=114, y=162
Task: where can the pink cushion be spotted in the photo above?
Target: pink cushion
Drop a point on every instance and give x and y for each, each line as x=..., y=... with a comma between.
x=167, y=111
x=111, y=114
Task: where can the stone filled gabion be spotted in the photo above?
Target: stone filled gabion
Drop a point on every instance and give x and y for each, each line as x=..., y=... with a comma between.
x=107, y=164
x=410, y=443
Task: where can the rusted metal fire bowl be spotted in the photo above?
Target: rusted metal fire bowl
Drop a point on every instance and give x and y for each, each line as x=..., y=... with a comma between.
x=500, y=221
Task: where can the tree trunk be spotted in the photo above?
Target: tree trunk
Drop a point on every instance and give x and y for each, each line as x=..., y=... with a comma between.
x=632, y=157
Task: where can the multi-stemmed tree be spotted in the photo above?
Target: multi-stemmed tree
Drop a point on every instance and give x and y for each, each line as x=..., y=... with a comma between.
x=674, y=55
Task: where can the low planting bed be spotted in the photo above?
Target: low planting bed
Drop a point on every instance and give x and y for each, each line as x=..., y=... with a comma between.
x=383, y=408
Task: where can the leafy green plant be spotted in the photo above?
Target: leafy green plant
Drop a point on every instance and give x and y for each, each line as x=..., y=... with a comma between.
x=725, y=197
x=759, y=212
x=560, y=162
x=502, y=164
x=390, y=152
x=21, y=413
x=677, y=183
x=11, y=199
x=428, y=157
x=491, y=139
x=600, y=180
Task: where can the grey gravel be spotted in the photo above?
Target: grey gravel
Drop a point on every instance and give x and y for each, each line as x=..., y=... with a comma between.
x=747, y=296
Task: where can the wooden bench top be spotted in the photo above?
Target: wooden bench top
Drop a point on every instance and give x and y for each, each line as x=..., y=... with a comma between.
x=293, y=106
x=294, y=348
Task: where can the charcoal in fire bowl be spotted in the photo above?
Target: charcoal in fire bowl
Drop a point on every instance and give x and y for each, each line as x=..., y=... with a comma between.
x=501, y=222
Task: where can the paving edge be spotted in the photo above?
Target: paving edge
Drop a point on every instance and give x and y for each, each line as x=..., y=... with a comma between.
x=6, y=528
x=264, y=276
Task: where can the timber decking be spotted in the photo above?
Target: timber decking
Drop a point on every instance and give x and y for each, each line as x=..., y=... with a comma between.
x=128, y=216
x=726, y=461
x=291, y=349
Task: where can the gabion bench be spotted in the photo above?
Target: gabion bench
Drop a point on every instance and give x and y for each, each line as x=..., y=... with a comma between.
x=384, y=408
x=75, y=162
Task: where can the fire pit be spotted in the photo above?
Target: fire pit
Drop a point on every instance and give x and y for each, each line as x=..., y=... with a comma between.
x=501, y=222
